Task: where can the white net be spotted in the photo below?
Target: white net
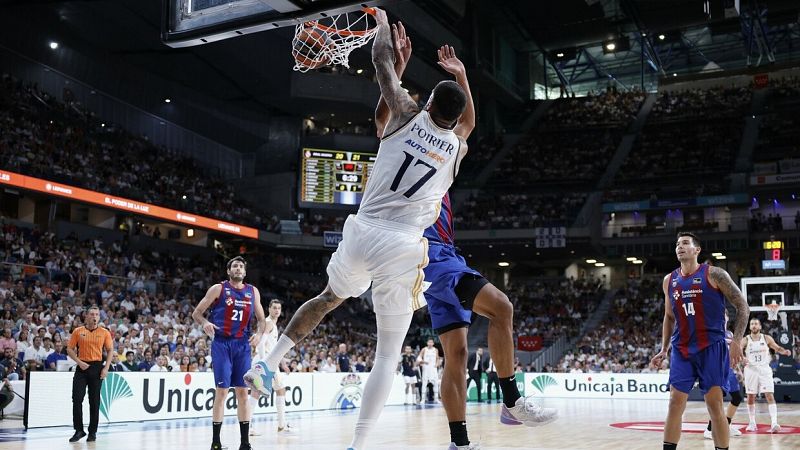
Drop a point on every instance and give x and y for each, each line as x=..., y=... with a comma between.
x=772, y=311
x=330, y=40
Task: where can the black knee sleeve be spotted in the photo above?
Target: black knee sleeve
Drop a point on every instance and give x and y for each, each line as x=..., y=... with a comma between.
x=736, y=398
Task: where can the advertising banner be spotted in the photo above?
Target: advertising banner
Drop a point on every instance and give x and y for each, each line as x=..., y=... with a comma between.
x=645, y=386
x=124, y=204
x=331, y=239
x=756, y=180
x=136, y=396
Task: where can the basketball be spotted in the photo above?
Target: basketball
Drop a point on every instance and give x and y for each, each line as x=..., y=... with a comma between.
x=309, y=48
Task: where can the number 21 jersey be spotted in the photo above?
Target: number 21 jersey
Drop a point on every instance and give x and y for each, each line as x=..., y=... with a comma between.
x=699, y=311
x=413, y=171
x=232, y=311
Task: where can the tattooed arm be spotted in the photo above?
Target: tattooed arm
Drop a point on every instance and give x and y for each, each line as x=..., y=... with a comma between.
x=401, y=105
x=310, y=314
x=721, y=280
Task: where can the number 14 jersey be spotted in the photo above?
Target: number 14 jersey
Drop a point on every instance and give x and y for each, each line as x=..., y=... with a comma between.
x=699, y=311
x=413, y=171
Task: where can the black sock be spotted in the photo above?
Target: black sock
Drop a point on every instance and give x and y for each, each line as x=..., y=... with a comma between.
x=720, y=448
x=709, y=425
x=510, y=391
x=670, y=446
x=244, y=431
x=458, y=432
x=216, y=426
x=729, y=420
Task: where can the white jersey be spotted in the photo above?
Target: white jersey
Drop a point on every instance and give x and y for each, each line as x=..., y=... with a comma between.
x=757, y=352
x=413, y=171
x=268, y=340
x=429, y=355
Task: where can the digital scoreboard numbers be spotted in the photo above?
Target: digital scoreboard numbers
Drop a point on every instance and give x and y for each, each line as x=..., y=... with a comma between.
x=332, y=177
x=774, y=258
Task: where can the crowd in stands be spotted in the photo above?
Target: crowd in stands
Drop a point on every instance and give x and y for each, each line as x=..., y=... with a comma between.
x=706, y=104
x=559, y=156
x=696, y=148
x=554, y=308
x=43, y=137
x=656, y=192
x=626, y=339
x=779, y=135
x=502, y=211
x=479, y=157
x=609, y=108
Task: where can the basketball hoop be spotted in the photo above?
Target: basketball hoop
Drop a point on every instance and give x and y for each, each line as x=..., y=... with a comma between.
x=772, y=311
x=329, y=41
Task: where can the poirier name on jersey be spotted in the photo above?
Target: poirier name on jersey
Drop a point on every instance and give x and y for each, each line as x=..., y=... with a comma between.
x=413, y=171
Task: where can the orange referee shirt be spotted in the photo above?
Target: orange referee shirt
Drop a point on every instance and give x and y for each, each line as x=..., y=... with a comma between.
x=90, y=343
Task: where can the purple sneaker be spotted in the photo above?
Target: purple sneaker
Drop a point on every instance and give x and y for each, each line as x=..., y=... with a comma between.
x=526, y=412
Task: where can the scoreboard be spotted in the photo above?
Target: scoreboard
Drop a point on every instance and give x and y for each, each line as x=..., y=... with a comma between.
x=333, y=177
x=774, y=258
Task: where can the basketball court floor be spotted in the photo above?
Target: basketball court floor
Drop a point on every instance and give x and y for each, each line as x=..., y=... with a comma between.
x=584, y=424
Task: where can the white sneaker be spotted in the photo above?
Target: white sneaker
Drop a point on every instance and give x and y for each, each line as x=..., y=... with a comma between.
x=775, y=428
x=286, y=429
x=471, y=446
x=751, y=427
x=707, y=434
x=527, y=412
x=735, y=432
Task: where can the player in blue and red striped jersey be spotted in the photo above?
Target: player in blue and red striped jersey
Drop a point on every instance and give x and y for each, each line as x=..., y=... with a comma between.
x=233, y=304
x=694, y=317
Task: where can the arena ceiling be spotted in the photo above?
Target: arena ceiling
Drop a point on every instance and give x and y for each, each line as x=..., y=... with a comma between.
x=251, y=72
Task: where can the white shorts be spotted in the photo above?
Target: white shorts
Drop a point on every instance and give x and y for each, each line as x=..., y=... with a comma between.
x=431, y=376
x=758, y=380
x=410, y=380
x=390, y=256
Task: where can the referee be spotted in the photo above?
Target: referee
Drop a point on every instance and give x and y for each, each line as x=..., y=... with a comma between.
x=85, y=347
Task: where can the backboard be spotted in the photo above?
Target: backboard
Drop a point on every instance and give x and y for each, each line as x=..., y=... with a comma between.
x=195, y=22
x=760, y=291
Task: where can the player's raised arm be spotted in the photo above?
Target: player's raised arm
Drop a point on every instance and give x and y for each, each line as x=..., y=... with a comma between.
x=720, y=279
x=667, y=326
x=401, y=105
x=402, y=53
x=199, y=311
x=450, y=62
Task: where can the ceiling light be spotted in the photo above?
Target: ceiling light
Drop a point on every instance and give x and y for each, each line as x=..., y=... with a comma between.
x=599, y=264
x=674, y=74
x=503, y=264
x=103, y=125
x=591, y=261
x=490, y=245
x=661, y=37
x=333, y=115
x=349, y=122
x=560, y=54
x=631, y=258
x=184, y=196
x=311, y=118
x=722, y=257
x=611, y=46
x=360, y=71
x=716, y=254
x=638, y=261
x=190, y=232
x=53, y=45
x=166, y=100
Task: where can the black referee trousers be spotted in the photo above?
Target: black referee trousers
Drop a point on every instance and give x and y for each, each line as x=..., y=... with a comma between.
x=86, y=378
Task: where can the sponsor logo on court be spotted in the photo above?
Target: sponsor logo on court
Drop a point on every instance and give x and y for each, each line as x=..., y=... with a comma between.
x=114, y=388
x=699, y=427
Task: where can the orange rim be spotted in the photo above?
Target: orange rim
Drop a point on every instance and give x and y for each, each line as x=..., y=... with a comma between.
x=345, y=33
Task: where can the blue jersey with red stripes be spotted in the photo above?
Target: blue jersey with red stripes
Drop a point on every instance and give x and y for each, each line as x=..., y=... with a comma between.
x=233, y=310
x=699, y=311
x=442, y=230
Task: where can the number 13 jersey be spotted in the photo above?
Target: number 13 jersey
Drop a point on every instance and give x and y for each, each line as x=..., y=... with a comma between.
x=413, y=171
x=699, y=311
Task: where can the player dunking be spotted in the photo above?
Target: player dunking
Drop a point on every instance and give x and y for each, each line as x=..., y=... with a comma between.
x=264, y=346
x=694, y=315
x=429, y=362
x=383, y=244
x=758, y=373
x=457, y=290
x=233, y=304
